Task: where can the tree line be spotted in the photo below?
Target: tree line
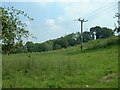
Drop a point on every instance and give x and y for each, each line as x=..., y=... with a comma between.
x=13, y=30
x=64, y=41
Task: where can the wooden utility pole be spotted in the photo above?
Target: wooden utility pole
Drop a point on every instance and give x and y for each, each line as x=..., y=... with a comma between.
x=81, y=22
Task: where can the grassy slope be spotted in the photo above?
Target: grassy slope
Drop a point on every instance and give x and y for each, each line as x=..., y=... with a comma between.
x=65, y=68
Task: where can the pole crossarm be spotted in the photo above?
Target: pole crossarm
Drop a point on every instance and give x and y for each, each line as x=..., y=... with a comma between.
x=81, y=21
x=118, y=16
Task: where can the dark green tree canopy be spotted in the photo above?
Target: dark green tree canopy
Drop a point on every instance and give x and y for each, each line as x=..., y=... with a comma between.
x=86, y=36
x=101, y=32
x=71, y=39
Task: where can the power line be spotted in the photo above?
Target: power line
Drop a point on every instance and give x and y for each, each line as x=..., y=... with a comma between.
x=114, y=6
x=92, y=18
x=108, y=5
x=101, y=14
x=105, y=12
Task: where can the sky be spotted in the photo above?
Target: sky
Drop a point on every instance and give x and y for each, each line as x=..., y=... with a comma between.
x=53, y=19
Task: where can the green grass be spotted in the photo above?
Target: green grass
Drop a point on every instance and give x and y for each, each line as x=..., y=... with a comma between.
x=94, y=67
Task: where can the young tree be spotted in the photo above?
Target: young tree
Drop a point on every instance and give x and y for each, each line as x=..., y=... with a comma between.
x=30, y=46
x=13, y=29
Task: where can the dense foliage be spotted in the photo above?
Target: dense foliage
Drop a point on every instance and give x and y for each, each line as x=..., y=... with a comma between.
x=69, y=40
x=13, y=29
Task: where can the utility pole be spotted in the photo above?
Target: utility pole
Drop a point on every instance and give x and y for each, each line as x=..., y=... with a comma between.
x=81, y=22
x=118, y=15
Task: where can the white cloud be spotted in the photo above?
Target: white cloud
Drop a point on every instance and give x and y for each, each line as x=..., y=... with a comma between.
x=60, y=19
x=50, y=22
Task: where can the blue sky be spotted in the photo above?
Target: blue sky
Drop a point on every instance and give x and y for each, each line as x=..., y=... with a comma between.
x=56, y=19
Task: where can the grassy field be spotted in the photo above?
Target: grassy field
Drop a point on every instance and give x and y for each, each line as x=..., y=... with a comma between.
x=94, y=67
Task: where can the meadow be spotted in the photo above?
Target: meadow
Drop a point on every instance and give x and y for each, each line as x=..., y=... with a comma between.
x=94, y=67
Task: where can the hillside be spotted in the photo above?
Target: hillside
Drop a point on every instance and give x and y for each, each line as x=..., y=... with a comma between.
x=94, y=67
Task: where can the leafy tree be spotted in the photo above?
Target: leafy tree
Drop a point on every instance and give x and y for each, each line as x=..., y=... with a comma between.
x=101, y=32
x=71, y=39
x=49, y=45
x=19, y=48
x=56, y=44
x=97, y=30
x=30, y=46
x=63, y=42
x=86, y=36
x=78, y=37
x=42, y=47
x=36, y=47
x=107, y=32
x=12, y=27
